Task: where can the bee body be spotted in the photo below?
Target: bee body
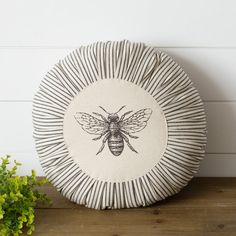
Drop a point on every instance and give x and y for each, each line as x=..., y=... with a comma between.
x=114, y=129
x=116, y=144
x=115, y=140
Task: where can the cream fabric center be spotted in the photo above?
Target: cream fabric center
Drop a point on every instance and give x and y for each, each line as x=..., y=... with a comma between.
x=112, y=94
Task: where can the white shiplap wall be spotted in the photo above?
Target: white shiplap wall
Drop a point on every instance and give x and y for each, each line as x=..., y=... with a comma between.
x=200, y=35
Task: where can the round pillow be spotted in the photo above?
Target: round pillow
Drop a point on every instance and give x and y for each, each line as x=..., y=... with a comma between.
x=118, y=125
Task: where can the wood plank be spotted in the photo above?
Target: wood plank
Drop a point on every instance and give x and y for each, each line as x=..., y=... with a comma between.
x=200, y=192
x=207, y=206
x=162, y=220
x=16, y=127
x=172, y=23
x=212, y=70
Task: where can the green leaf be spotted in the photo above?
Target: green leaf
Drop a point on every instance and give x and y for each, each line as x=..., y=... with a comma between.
x=18, y=197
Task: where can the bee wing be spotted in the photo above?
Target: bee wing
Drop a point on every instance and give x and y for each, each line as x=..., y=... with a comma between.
x=91, y=124
x=136, y=122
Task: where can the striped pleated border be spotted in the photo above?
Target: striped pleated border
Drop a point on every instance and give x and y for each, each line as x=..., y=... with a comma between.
x=161, y=77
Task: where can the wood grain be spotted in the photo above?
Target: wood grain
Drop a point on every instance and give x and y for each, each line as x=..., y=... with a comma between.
x=207, y=206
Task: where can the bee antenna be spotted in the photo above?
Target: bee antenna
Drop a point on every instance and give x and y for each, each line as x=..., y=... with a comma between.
x=104, y=110
x=120, y=109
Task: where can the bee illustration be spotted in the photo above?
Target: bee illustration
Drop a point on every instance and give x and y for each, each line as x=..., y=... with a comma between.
x=115, y=129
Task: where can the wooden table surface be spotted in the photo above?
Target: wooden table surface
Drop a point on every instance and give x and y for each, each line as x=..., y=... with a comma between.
x=207, y=206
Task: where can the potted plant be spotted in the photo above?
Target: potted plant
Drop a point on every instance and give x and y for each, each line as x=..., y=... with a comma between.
x=18, y=199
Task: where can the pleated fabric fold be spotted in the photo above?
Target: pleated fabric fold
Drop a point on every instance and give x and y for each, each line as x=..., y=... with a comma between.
x=161, y=77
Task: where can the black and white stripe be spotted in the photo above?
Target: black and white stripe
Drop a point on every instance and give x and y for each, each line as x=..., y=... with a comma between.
x=160, y=76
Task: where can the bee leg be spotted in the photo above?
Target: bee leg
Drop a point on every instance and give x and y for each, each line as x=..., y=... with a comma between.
x=128, y=143
x=130, y=135
x=103, y=143
x=97, y=138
